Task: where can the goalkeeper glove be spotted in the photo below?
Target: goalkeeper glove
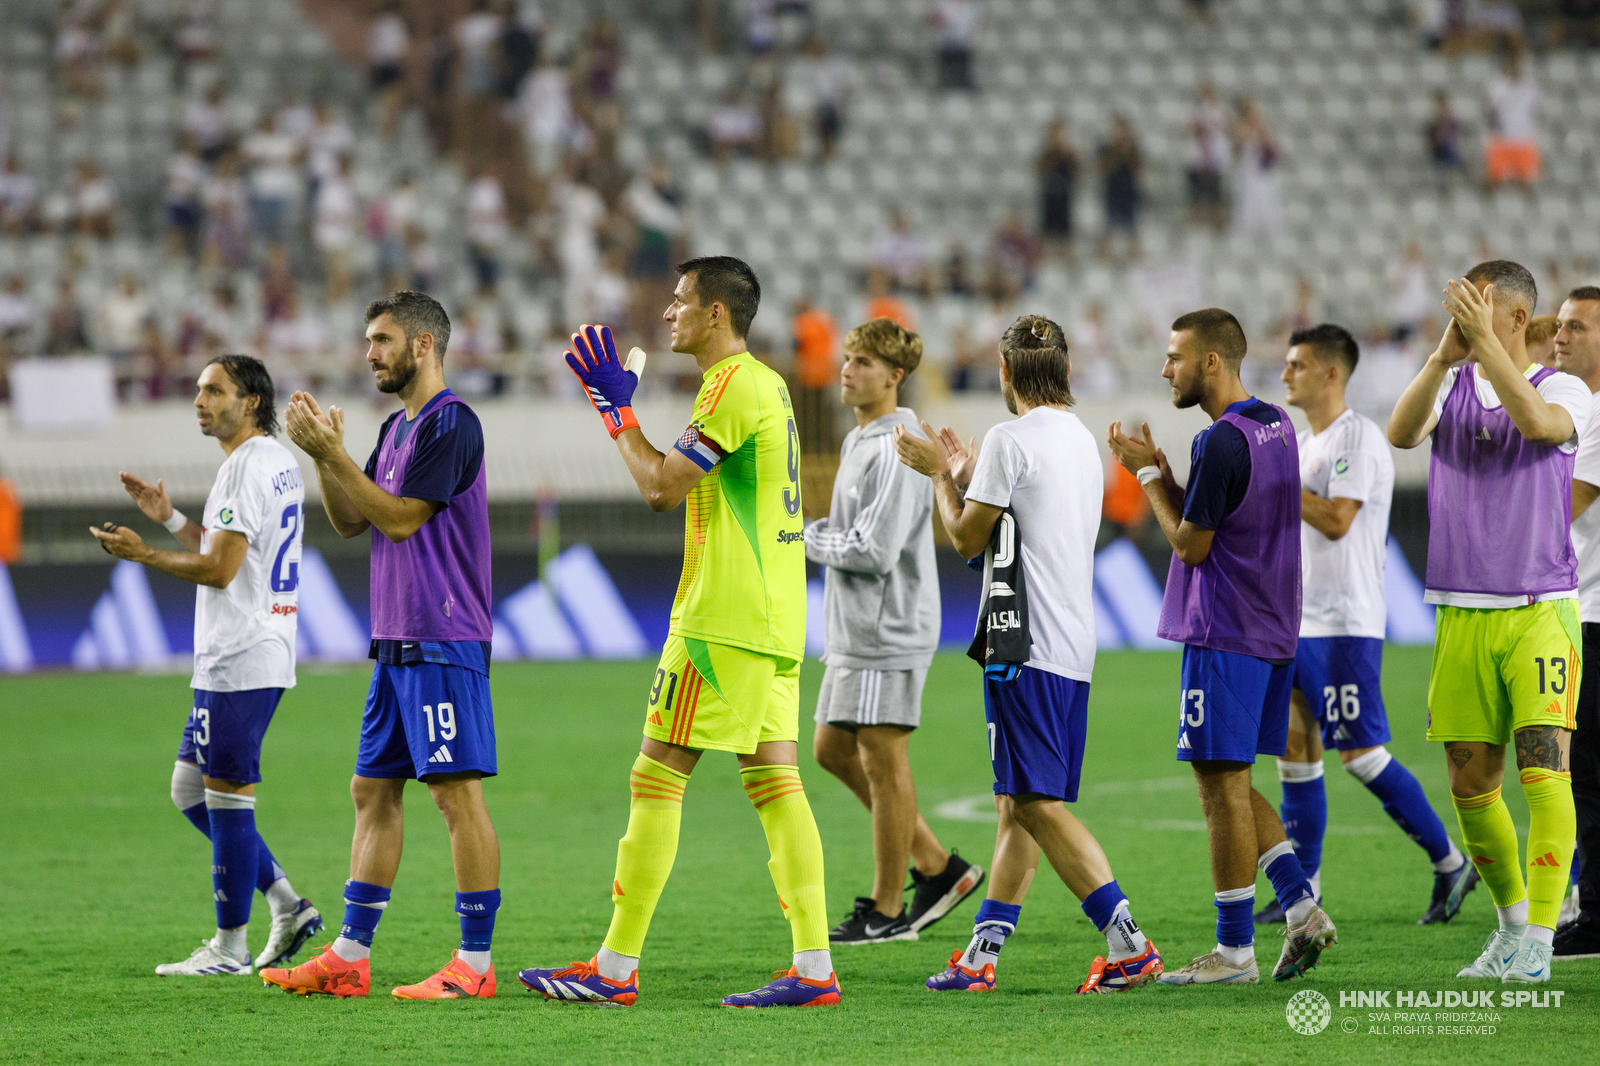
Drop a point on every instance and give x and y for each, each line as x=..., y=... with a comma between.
x=607, y=382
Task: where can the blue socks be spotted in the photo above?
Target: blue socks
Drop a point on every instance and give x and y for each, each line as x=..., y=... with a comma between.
x=1235, y=927
x=1288, y=877
x=1003, y=915
x=1404, y=801
x=189, y=796
x=1107, y=908
x=234, y=850
x=1304, y=811
x=477, y=910
x=1101, y=904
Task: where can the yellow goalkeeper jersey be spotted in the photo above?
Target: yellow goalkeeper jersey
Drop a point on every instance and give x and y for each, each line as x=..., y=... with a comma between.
x=744, y=564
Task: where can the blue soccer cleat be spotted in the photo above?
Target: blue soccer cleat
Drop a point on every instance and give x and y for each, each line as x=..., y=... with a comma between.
x=789, y=990
x=957, y=978
x=581, y=983
x=1105, y=976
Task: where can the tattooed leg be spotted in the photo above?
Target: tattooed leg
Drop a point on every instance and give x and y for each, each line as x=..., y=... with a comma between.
x=1544, y=747
x=1475, y=768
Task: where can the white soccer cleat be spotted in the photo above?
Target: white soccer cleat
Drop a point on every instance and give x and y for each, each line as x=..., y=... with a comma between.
x=1497, y=955
x=289, y=934
x=1304, y=944
x=1529, y=966
x=206, y=961
x=1212, y=969
x=636, y=360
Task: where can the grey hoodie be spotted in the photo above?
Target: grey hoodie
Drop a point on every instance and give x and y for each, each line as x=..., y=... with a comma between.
x=882, y=598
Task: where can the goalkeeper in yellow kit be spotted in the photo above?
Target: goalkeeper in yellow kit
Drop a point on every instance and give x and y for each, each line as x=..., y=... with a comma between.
x=729, y=677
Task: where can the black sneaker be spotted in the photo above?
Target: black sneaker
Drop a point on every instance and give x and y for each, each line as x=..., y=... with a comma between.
x=937, y=896
x=864, y=925
x=1448, y=892
x=1580, y=940
x=1271, y=914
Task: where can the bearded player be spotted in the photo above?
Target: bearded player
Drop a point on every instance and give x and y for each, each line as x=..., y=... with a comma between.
x=729, y=677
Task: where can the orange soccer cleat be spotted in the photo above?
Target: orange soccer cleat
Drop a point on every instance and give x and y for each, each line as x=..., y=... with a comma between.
x=456, y=981
x=325, y=975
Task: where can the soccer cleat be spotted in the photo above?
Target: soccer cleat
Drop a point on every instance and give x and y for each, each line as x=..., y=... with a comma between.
x=1130, y=973
x=957, y=978
x=325, y=975
x=1449, y=890
x=581, y=983
x=1304, y=944
x=1271, y=914
x=205, y=961
x=789, y=990
x=1212, y=969
x=1580, y=940
x=1529, y=966
x=864, y=925
x=289, y=934
x=1498, y=952
x=456, y=981
x=940, y=894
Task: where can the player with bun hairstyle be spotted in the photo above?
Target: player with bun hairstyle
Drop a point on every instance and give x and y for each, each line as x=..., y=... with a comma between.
x=883, y=619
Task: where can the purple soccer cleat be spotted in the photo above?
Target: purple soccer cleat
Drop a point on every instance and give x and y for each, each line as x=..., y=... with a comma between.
x=957, y=978
x=789, y=990
x=581, y=983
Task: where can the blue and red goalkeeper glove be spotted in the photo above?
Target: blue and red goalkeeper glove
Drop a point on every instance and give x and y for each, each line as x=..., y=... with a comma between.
x=593, y=357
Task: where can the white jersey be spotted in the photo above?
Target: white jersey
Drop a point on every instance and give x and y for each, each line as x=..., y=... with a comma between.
x=1046, y=467
x=244, y=633
x=1586, y=529
x=1342, y=580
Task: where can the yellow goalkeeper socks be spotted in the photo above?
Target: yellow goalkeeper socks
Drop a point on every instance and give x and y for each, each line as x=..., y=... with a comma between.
x=796, y=864
x=1491, y=841
x=1552, y=830
x=645, y=853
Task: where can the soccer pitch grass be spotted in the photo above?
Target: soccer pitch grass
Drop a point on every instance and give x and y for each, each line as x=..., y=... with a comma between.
x=102, y=879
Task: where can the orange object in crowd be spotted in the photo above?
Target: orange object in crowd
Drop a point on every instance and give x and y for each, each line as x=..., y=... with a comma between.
x=1125, y=502
x=816, y=348
x=894, y=308
x=1511, y=161
x=10, y=524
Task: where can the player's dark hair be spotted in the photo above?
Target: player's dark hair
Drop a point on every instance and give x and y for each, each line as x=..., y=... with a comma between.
x=1035, y=351
x=722, y=279
x=1508, y=277
x=1215, y=330
x=1585, y=292
x=1332, y=344
x=416, y=313
x=249, y=375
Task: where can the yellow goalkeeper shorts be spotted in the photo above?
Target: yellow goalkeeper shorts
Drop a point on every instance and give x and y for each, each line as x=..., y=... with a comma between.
x=727, y=699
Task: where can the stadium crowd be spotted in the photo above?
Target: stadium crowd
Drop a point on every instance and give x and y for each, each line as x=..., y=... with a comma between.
x=276, y=219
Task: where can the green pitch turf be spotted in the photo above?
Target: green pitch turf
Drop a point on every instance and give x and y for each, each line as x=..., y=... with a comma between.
x=101, y=879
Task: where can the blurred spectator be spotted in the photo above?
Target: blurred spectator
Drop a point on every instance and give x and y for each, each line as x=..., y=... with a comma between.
x=476, y=350
x=1436, y=21
x=225, y=201
x=1512, y=151
x=296, y=120
x=274, y=182
x=1057, y=170
x=328, y=141
x=77, y=53
x=883, y=303
x=1016, y=251
x=390, y=219
x=1120, y=167
x=487, y=228
x=277, y=284
x=816, y=368
x=1493, y=24
x=1444, y=138
x=118, y=32
x=1415, y=286
x=781, y=139
x=657, y=209
x=897, y=253
x=1541, y=339
x=1209, y=152
x=293, y=345
x=830, y=92
x=734, y=125
x=19, y=198
x=93, y=199
x=17, y=320
x=123, y=315
x=336, y=217
x=1305, y=311
x=180, y=198
x=545, y=106
x=388, y=45
x=1257, y=200
x=1096, y=355
x=957, y=275
x=196, y=37
x=65, y=332
x=477, y=37
x=1577, y=22
x=206, y=121
x=956, y=23
x=581, y=213
x=760, y=26
x=519, y=47
x=609, y=296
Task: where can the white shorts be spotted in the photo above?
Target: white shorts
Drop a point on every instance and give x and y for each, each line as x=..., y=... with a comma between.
x=853, y=698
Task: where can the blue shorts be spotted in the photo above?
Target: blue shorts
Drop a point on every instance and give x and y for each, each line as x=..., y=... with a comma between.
x=1340, y=678
x=1037, y=723
x=1232, y=707
x=224, y=731
x=426, y=718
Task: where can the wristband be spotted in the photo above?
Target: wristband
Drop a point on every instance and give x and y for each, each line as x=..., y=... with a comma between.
x=618, y=419
x=176, y=522
x=1147, y=474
